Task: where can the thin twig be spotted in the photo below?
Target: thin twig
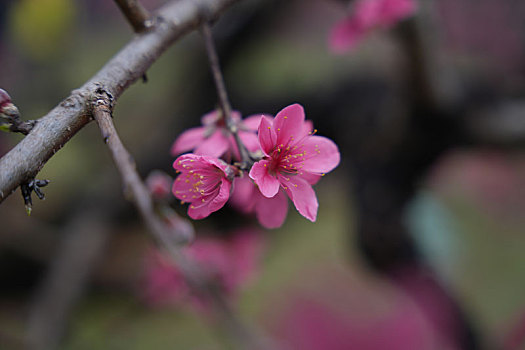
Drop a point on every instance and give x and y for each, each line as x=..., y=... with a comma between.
x=222, y=93
x=136, y=191
x=137, y=16
x=52, y=131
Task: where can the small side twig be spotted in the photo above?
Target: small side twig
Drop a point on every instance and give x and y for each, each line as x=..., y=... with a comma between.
x=222, y=94
x=137, y=16
x=136, y=191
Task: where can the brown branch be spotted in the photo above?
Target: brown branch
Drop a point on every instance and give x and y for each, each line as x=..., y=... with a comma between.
x=137, y=16
x=136, y=191
x=224, y=102
x=52, y=131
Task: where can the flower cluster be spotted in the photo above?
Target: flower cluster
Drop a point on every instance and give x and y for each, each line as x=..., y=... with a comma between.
x=366, y=15
x=286, y=159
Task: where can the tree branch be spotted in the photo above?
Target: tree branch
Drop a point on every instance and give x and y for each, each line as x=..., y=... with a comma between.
x=52, y=131
x=137, y=16
x=137, y=192
x=224, y=102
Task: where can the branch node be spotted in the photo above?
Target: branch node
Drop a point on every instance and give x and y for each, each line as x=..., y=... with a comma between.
x=138, y=17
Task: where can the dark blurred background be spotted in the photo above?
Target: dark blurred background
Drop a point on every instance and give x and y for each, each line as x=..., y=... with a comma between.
x=420, y=232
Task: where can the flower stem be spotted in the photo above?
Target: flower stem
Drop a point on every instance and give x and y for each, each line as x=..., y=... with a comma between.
x=224, y=102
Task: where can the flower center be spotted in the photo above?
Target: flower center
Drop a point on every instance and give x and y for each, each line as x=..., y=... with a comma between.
x=287, y=160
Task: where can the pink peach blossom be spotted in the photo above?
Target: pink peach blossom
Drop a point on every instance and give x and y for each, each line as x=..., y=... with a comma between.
x=365, y=17
x=213, y=138
x=270, y=212
x=204, y=182
x=294, y=159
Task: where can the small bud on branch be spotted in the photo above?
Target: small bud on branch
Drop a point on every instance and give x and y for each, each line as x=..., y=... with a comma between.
x=10, y=116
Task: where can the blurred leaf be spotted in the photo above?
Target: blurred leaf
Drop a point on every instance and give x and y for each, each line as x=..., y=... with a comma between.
x=40, y=27
x=434, y=229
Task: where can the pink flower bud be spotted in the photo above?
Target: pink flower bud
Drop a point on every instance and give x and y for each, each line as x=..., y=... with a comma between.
x=4, y=98
x=159, y=184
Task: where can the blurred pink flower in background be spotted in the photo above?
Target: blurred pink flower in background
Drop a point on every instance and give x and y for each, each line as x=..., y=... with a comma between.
x=366, y=16
x=328, y=310
x=270, y=212
x=310, y=325
x=515, y=338
x=204, y=182
x=294, y=159
x=492, y=179
x=490, y=29
x=213, y=138
x=433, y=302
x=230, y=262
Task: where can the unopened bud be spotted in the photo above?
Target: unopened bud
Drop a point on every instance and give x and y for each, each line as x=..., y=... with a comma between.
x=4, y=98
x=8, y=110
x=159, y=184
